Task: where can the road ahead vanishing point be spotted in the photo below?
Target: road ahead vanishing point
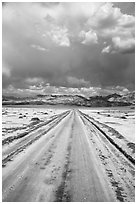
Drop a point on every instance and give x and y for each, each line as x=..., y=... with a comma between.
x=66, y=159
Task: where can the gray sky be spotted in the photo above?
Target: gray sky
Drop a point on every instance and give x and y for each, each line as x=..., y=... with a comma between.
x=68, y=48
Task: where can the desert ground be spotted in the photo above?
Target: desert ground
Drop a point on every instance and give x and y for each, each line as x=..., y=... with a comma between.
x=68, y=154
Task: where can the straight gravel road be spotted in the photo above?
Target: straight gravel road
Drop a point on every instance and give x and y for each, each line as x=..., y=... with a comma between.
x=67, y=159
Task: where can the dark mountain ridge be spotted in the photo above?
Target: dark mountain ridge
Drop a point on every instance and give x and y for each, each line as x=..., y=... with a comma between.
x=78, y=100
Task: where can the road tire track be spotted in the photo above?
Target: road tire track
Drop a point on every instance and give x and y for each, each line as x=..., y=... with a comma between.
x=129, y=157
x=117, y=167
x=74, y=162
x=49, y=164
x=53, y=123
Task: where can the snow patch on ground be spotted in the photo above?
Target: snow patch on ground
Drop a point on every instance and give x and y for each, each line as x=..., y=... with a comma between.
x=16, y=120
x=120, y=119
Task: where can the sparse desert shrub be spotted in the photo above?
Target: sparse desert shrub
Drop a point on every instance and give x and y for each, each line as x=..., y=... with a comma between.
x=132, y=146
x=123, y=117
x=35, y=119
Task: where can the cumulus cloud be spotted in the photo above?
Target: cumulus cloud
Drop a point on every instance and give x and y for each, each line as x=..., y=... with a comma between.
x=59, y=36
x=105, y=16
x=34, y=80
x=125, y=45
x=106, y=49
x=89, y=37
x=63, y=44
x=121, y=45
x=84, y=91
x=109, y=22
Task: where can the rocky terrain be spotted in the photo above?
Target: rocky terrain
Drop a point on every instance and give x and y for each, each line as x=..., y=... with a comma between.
x=93, y=101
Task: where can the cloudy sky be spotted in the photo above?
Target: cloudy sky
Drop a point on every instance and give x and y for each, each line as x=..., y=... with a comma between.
x=68, y=48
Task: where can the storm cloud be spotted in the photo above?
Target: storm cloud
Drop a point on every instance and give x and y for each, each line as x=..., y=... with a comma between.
x=52, y=47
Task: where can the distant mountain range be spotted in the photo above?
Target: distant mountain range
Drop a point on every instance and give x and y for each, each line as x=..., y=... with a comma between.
x=78, y=100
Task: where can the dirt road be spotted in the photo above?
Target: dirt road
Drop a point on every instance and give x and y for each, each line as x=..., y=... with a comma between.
x=68, y=159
